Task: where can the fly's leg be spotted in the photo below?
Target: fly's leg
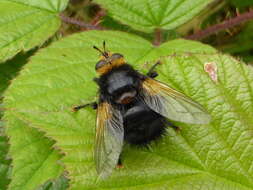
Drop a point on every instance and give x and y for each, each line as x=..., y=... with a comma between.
x=176, y=128
x=94, y=105
x=152, y=73
x=119, y=164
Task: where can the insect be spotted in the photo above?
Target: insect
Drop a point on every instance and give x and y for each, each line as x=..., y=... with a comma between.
x=134, y=108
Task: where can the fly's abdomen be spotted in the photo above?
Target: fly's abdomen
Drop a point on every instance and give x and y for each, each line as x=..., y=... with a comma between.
x=142, y=125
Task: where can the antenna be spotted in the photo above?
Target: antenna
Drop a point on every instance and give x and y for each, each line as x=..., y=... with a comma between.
x=96, y=48
x=104, y=53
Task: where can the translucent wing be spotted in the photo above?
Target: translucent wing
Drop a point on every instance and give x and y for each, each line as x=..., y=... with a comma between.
x=109, y=139
x=172, y=104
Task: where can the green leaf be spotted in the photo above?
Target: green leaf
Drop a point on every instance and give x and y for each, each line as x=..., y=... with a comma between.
x=49, y=5
x=146, y=15
x=33, y=158
x=61, y=183
x=30, y=141
x=242, y=42
x=8, y=71
x=25, y=24
x=4, y=161
x=241, y=4
x=29, y=164
x=10, y=68
x=215, y=156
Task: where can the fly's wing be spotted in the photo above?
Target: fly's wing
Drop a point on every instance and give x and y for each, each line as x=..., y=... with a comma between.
x=109, y=139
x=172, y=104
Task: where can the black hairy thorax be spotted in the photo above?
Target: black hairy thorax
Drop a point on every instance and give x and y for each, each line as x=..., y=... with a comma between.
x=119, y=83
x=121, y=87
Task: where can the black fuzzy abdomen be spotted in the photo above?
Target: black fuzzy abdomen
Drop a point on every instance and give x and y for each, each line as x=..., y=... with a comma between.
x=142, y=125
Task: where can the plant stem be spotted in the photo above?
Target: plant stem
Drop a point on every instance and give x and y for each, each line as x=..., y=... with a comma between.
x=158, y=37
x=79, y=23
x=98, y=17
x=221, y=26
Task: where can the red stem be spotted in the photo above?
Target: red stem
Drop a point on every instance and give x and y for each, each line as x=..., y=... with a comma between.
x=158, y=37
x=79, y=23
x=98, y=17
x=217, y=27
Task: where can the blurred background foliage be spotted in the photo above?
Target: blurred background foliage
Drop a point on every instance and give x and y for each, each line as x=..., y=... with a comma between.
x=237, y=40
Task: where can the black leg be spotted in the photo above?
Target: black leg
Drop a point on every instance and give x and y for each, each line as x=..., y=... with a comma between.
x=93, y=105
x=152, y=73
x=176, y=128
x=119, y=164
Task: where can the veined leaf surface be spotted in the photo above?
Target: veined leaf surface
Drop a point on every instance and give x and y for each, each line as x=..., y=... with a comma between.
x=214, y=156
x=25, y=24
x=147, y=15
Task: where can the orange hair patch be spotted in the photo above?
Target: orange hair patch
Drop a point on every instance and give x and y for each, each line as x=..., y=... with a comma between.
x=109, y=66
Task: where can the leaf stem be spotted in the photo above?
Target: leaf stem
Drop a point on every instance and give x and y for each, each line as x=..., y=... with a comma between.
x=221, y=26
x=158, y=37
x=98, y=17
x=69, y=20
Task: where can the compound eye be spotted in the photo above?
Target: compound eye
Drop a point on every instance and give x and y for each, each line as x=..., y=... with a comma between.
x=100, y=64
x=116, y=56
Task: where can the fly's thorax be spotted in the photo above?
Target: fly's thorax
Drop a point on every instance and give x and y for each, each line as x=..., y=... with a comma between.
x=120, y=85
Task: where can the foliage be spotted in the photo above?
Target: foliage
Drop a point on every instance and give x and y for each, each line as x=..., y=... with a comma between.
x=237, y=40
x=26, y=24
x=52, y=148
x=8, y=71
x=4, y=161
x=57, y=184
x=241, y=4
x=147, y=15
